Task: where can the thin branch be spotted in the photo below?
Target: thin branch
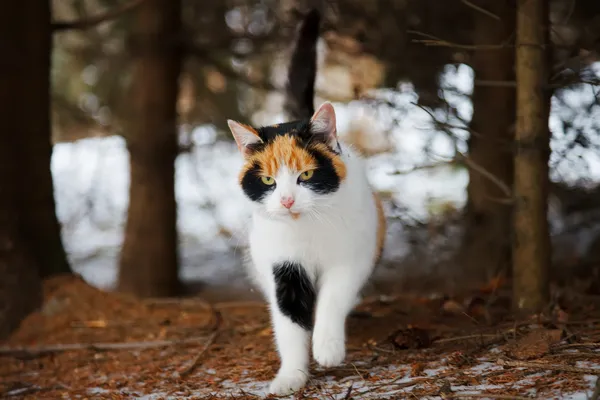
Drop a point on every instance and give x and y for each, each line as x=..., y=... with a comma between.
x=56, y=348
x=549, y=367
x=431, y=40
x=487, y=174
x=460, y=157
x=481, y=10
x=90, y=22
x=211, y=339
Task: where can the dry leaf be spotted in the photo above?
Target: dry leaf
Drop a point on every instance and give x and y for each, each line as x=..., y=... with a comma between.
x=493, y=285
x=453, y=307
x=416, y=369
x=534, y=345
x=100, y=323
x=410, y=338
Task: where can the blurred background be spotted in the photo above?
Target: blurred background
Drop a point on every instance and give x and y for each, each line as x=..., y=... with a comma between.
x=425, y=89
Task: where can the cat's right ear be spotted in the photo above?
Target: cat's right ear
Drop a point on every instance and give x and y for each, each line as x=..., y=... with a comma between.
x=244, y=136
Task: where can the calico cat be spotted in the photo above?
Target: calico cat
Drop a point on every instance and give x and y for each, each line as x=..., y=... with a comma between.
x=317, y=228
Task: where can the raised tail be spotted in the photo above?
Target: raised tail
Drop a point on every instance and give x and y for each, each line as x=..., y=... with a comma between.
x=300, y=90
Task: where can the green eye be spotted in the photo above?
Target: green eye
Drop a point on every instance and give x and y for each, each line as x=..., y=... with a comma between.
x=267, y=180
x=306, y=175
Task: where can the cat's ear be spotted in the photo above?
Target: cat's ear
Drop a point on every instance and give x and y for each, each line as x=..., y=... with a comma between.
x=244, y=136
x=323, y=125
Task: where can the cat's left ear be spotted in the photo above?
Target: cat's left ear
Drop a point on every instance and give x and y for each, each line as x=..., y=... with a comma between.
x=323, y=125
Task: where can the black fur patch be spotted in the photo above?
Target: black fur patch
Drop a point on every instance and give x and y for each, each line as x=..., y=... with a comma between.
x=325, y=179
x=295, y=293
x=253, y=186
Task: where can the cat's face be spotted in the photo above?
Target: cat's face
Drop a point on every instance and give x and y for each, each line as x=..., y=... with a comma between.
x=291, y=169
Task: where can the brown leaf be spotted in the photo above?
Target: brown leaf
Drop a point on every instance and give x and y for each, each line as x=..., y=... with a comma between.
x=560, y=315
x=416, y=369
x=493, y=285
x=453, y=307
x=410, y=338
x=534, y=345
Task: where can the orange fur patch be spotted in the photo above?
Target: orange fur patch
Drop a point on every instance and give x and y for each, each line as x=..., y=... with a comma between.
x=285, y=150
x=381, y=227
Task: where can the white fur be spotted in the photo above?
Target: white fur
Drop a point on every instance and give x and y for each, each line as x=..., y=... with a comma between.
x=334, y=239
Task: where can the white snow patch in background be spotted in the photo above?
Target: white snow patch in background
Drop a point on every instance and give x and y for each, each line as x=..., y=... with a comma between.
x=92, y=177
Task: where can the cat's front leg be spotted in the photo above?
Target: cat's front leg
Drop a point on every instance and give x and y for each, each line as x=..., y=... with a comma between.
x=337, y=296
x=292, y=307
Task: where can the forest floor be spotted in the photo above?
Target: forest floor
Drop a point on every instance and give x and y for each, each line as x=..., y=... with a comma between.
x=86, y=343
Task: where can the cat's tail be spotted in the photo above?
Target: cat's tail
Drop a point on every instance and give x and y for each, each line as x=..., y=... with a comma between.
x=300, y=89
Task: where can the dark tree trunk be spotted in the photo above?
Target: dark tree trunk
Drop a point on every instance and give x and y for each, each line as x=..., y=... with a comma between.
x=29, y=236
x=39, y=224
x=485, y=249
x=149, y=260
x=531, y=247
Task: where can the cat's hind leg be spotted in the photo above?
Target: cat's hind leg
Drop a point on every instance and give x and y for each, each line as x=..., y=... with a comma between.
x=292, y=308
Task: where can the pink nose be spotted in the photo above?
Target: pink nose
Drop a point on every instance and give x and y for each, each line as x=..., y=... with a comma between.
x=287, y=202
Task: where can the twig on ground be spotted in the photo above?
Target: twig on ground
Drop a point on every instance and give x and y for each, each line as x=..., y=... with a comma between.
x=550, y=367
x=574, y=345
x=194, y=301
x=347, y=396
x=187, y=370
x=596, y=394
x=459, y=395
x=211, y=339
x=468, y=337
x=57, y=348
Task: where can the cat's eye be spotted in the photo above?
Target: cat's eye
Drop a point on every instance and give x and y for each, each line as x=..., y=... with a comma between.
x=306, y=175
x=267, y=180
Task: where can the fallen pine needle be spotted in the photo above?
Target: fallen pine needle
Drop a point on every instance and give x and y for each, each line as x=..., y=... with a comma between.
x=550, y=367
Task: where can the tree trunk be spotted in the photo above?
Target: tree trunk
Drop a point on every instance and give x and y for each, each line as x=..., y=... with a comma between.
x=531, y=247
x=24, y=72
x=39, y=224
x=149, y=257
x=485, y=249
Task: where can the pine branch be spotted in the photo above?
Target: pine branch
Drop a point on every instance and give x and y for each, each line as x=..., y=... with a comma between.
x=90, y=22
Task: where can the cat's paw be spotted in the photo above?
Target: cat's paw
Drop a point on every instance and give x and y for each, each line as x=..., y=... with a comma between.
x=328, y=350
x=286, y=383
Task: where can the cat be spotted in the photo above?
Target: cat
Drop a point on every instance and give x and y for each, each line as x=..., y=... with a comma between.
x=317, y=227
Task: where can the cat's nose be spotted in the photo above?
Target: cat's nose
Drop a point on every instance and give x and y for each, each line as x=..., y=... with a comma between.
x=287, y=202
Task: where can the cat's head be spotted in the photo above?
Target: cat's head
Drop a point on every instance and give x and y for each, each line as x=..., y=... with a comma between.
x=291, y=169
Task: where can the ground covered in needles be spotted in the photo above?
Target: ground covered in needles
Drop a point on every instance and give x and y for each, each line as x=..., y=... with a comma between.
x=85, y=343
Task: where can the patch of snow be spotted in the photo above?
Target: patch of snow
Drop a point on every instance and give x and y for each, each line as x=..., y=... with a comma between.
x=92, y=177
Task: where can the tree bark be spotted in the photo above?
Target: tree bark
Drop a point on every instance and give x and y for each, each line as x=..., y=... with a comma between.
x=485, y=249
x=39, y=223
x=149, y=260
x=531, y=246
x=24, y=104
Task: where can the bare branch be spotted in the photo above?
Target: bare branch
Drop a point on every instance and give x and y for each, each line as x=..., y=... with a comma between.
x=90, y=22
x=481, y=10
x=431, y=40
